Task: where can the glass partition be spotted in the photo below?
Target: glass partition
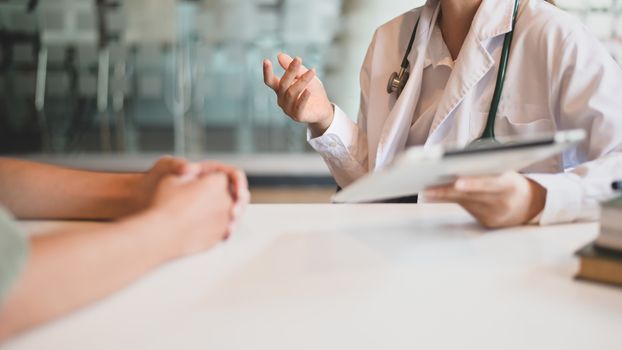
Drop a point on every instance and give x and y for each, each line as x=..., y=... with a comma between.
x=184, y=77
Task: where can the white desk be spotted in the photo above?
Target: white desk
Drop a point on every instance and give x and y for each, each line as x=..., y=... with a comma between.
x=357, y=277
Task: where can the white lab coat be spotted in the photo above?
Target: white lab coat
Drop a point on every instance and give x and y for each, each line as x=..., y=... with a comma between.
x=559, y=77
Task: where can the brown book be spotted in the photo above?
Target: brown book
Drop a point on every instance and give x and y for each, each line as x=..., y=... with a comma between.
x=600, y=265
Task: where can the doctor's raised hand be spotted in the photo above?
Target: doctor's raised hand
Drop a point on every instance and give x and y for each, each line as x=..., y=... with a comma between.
x=300, y=94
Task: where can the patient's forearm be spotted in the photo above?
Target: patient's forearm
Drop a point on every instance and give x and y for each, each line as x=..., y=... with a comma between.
x=68, y=270
x=32, y=190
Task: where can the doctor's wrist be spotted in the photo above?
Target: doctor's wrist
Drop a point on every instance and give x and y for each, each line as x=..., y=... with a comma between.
x=319, y=128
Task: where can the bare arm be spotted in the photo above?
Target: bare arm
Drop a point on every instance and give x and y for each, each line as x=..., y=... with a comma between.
x=32, y=190
x=37, y=191
x=77, y=268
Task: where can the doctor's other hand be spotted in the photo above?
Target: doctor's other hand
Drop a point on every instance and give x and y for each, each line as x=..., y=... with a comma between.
x=507, y=200
x=300, y=94
x=198, y=210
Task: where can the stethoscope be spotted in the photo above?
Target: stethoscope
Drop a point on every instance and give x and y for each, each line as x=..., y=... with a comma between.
x=398, y=81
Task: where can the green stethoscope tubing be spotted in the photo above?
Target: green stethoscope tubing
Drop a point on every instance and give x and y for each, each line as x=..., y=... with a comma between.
x=489, y=131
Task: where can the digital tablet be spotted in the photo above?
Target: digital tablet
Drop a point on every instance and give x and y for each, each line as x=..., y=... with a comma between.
x=418, y=168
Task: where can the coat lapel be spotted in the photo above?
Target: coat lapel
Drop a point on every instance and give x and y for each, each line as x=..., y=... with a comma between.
x=467, y=73
x=395, y=129
x=493, y=20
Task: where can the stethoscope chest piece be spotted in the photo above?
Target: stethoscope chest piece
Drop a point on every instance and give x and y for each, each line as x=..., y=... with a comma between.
x=398, y=81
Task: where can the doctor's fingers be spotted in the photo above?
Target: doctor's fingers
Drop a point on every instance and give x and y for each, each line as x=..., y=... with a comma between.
x=269, y=78
x=286, y=60
x=289, y=100
x=301, y=104
x=484, y=214
x=290, y=76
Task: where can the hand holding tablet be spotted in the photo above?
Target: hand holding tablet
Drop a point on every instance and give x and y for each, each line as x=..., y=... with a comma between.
x=419, y=168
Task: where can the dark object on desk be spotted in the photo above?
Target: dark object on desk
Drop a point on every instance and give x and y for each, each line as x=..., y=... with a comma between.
x=617, y=186
x=600, y=265
x=403, y=200
x=255, y=181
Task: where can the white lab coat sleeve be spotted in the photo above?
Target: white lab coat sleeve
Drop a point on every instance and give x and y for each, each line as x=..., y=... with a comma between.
x=344, y=145
x=586, y=85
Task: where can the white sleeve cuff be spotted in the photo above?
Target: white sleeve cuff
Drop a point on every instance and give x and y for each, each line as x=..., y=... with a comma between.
x=340, y=148
x=564, y=199
x=341, y=127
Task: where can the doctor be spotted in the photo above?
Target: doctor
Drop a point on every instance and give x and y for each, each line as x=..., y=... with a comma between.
x=558, y=77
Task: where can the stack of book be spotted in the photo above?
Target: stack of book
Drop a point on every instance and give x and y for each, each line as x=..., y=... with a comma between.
x=601, y=261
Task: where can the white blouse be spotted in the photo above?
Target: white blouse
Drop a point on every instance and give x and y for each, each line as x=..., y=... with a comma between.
x=438, y=68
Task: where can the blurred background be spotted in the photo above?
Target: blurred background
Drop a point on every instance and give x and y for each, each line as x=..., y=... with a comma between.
x=113, y=84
